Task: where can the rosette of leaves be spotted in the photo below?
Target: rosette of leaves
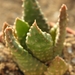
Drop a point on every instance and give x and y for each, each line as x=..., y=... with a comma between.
x=37, y=50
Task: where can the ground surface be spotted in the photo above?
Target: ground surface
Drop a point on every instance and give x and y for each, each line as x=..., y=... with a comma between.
x=10, y=9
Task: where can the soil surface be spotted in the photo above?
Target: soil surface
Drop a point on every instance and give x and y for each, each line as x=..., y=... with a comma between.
x=10, y=9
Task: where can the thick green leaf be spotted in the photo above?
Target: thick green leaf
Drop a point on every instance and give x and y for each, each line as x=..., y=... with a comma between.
x=40, y=43
x=21, y=28
x=33, y=12
x=57, y=67
x=61, y=34
x=25, y=60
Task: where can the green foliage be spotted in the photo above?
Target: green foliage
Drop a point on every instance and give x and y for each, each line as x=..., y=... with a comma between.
x=33, y=12
x=25, y=60
x=61, y=31
x=21, y=28
x=57, y=67
x=54, y=33
x=35, y=47
x=40, y=43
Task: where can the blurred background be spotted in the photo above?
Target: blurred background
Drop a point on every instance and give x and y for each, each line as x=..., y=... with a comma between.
x=10, y=9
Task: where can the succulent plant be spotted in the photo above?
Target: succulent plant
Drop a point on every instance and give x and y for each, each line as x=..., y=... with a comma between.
x=37, y=47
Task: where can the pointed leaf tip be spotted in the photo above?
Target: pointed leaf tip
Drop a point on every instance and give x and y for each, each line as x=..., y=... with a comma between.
x=35, y=24
x=63, y=7
x=7, y=30
x=63, y=13
x=5, y=25
x=21, y=27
